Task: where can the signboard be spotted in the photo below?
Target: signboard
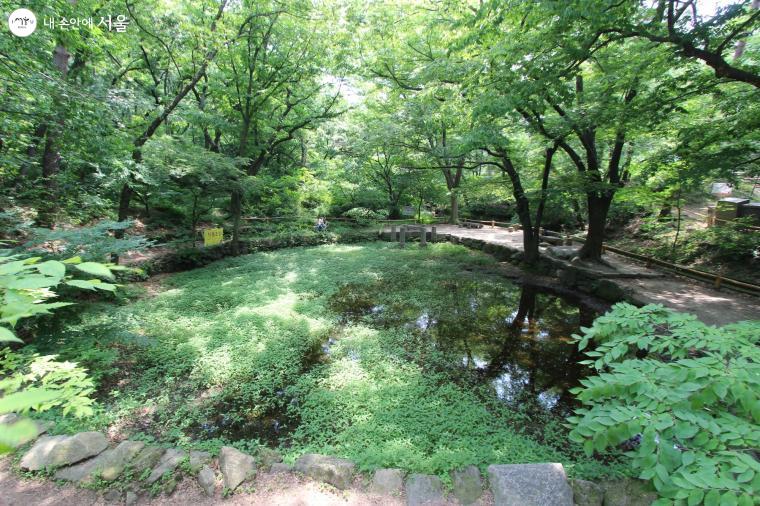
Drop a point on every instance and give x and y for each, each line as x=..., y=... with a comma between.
x=212, y=236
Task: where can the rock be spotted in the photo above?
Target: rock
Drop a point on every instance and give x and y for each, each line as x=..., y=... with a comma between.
x=609, y=291
x=279, y=467
x=564, y=252
x=168, y=486
x=58, y=451
x=424, y=489
x=467, y=484
x=147, y=459
x=236, y=467
x=387, y=482
x=530, y=485
x=108, y=465
x=267, y=457
x=113, y=463
x=198, y=460
x=113, y=495
x=79, y=472
x=168, y=463
x=207, y=480
x=587, y=493
x=131, y=498
x=568, y=276
x=335, y=471
x=627, y=492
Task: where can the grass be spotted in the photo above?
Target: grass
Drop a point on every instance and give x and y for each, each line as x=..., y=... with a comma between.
x=224, y=352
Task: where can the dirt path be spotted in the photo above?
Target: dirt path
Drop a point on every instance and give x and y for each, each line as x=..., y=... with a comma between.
x=714, y=307
x=266, y=489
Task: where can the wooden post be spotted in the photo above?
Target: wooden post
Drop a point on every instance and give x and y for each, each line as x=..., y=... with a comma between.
x=433, y=234
x=423, y=237
x=393, y=232
x=402, y=236
x=493, y=224
x=718, y=281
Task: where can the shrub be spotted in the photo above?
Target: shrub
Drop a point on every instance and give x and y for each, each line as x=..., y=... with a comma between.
x=687, y=392
x=364, y=216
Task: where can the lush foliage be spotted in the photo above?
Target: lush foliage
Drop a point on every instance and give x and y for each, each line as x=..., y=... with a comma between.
x=687, y=392
x=203, y=366
x=30, y=381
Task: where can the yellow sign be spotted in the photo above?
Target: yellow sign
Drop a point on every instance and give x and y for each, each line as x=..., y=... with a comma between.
x=212, y=236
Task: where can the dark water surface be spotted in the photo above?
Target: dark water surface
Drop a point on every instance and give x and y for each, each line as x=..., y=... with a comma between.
x=513, y=337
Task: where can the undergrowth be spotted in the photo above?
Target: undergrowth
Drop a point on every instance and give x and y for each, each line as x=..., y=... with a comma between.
x=230, y=354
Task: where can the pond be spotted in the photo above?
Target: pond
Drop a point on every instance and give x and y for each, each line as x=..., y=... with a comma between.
x=514, y=337
x=422, y=358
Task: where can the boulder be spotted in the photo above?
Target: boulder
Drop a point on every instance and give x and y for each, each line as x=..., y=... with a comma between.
x=131, y=498
x=609, y=291
x=168, y=463
x=56, y=451
x=207, y=480
x=424, y=490
x=168, y=486
x=267, y=457
x=587, y=493
x=387, y=482
x=236, y=467
x=335, y=471
x=113, y=462
x=198, y=460
x=628, y=492
x=113, y=495
x=147, y=459
x=467, y=484
x=80, y=472
x=279, y=467
x=529, y=485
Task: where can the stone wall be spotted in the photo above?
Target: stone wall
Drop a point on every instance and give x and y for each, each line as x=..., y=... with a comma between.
x=129, y=472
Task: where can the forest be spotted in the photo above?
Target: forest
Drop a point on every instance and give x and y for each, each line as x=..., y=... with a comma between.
x=413, y=235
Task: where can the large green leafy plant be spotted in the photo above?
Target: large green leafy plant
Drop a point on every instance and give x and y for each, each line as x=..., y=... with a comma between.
x=32, y=382
x=682, y=395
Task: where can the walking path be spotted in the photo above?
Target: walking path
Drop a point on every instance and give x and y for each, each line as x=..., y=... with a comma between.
x=714, y=307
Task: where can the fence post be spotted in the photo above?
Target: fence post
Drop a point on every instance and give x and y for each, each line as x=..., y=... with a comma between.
x=718, y=281
x=493, y=224
x=402, y=236
x=393, y=233
x=433, y=234
x=423, y=237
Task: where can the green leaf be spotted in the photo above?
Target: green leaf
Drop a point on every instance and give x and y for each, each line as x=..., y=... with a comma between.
x=73, y=260
x=695, y=497
x=7, y=336
x=712, y=498
x=95, y=269
x=21, y=401
x=52, y=268
x=81, y=283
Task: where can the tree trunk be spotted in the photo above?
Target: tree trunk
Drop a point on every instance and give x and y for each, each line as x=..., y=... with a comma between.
x=31, y=150
x=236, y=209
x=598, y=206
x=454, y=217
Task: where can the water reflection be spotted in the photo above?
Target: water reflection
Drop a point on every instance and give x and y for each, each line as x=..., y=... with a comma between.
x=515, y=338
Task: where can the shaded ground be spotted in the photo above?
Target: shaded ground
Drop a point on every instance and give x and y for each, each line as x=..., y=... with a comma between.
x=714, y=307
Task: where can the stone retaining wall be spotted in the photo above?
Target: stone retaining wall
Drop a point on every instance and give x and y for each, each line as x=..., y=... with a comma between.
x=132, y=471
